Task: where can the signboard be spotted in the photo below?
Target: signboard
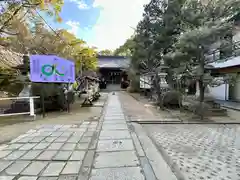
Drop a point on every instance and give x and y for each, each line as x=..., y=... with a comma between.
x=52, y=69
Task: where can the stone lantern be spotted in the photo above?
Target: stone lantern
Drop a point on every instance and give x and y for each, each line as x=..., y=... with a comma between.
x=163, y=82
x=162, y=75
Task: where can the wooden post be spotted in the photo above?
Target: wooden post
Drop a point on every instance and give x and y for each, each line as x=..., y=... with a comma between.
x=68, y=105
x=42, y=103
x=32, y=109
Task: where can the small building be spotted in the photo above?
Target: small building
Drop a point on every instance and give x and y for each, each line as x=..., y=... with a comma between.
x=226, y=60
x=113, y=68
x=227, y=91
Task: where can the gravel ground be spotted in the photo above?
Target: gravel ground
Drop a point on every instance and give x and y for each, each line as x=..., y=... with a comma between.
x=200, y=152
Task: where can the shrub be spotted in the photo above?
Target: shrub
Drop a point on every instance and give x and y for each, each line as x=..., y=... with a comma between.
x=172, y=99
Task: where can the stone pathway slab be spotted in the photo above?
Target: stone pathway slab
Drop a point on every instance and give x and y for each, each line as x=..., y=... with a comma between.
x=34, y=168
x=72, y=167
x=7, y=177
x=115, y=145
x=30, y=155
x=54, y=169
x=62, y=155
x=77, y=155
x=4, y=153
x=115, y=126
x=17, y=167
x=15, y=155
x=28, y=178
x=47, y=155
x=113, y=134
x=5, y=164
x=116, y=159
x=124, y=173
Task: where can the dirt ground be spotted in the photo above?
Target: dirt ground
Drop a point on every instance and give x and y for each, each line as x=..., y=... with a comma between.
x=138, y=107
x=12, y=127
x=143, y=107
x=233, y=116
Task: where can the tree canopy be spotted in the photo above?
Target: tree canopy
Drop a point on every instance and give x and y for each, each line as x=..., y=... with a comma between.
x=11, y=8
x=181, y=33
x=24, y=31
x=106, y=52
x=126, y=49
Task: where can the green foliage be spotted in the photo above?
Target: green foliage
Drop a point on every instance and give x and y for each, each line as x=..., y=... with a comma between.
x=204, y=25
x=182, y=33
x=155, y=36
x=39, y=40
x=199, y=40
x=135, y=81
x=23, y=31
x=126, y=49
x=172, y=99
x=10, y=9
x=106, y=52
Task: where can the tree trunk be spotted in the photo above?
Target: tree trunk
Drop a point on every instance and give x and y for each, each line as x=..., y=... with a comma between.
x=201, y=90
x=170, y=79
x=158, y=89
x=201, y=87
x=201, y=83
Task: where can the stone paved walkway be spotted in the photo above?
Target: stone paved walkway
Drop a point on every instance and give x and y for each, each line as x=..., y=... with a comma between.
x=54, y=151
x=108, y=149
x=116, y=157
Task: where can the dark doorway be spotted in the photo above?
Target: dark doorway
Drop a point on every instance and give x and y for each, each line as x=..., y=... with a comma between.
x=112, y=76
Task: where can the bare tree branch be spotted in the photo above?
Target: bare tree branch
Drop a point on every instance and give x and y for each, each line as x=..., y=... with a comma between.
x=9, y=19
x=10, y=33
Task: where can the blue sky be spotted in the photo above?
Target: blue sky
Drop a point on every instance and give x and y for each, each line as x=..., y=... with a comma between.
x=105, y=24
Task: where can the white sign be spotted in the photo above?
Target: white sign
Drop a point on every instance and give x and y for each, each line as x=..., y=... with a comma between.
x=145, y=82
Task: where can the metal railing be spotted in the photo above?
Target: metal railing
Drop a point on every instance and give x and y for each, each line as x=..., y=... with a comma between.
x=216, y=54
x=30, y=111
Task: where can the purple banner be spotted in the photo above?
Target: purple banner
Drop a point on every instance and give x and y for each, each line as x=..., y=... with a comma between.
x=50, y=68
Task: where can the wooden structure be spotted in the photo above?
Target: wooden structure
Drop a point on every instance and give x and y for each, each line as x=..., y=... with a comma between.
x=113, y=69
x=227, y=91
x=88, y=89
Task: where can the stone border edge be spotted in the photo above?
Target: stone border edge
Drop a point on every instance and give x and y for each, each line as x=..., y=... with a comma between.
x=159, y=165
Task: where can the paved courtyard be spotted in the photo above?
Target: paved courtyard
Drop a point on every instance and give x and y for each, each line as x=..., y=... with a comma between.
x=47, y=151
x=111, y=148
x=95, y=150
x=200, y=152
x=194, y=151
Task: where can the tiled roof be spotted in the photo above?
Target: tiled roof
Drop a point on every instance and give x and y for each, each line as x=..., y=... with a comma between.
x=113, y=62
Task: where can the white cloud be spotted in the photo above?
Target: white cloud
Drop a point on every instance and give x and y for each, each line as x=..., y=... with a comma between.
x=81, y=4
x=114, y=25
x=74, y=27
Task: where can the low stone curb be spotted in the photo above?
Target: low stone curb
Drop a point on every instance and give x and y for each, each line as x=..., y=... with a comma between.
x=86, y=167
x=230, y=107
x=179, y=123
x=160, y=167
